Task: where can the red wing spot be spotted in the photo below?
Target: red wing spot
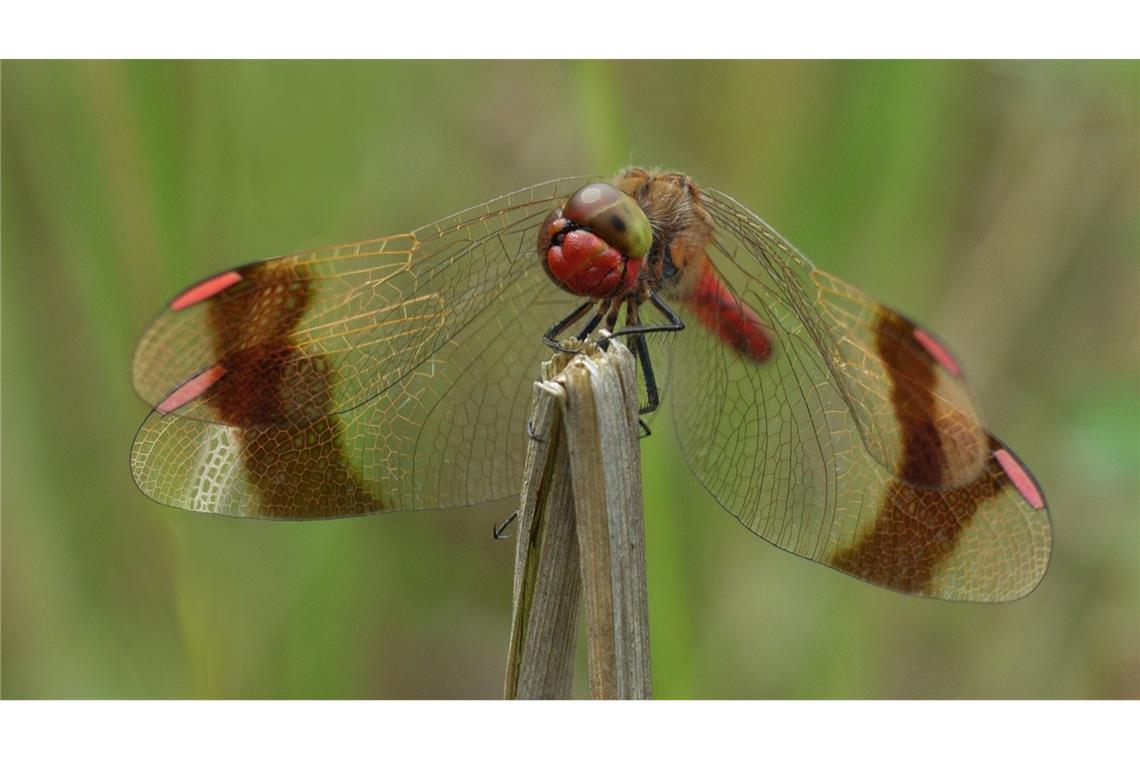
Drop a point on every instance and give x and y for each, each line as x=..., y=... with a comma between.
x=191, y=389
x=940, y=353
x=1020, y=478
x=205, y=289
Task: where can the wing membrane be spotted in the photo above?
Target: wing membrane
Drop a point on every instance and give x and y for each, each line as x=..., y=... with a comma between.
x=856, y=443
x=451, y=432
x=372, y=377
x=372, y=312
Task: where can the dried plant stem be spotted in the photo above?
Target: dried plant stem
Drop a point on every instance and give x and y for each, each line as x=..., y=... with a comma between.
x=582, y=532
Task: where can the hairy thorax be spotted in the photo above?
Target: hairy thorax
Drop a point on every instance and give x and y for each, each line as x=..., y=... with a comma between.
x=682, y=229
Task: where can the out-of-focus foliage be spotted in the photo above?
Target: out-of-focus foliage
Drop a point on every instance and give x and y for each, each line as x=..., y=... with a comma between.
x=996, y=202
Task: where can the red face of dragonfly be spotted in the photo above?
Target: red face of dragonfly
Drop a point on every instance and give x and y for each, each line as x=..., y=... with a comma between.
x=594, y=246
x=395, y=374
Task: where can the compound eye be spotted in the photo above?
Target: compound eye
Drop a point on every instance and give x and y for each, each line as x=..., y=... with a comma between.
x=613, y=216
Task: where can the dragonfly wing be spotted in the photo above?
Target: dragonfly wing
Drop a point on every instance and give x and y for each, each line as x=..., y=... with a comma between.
x=283, y=420
x=451, y=432
x=235, y=348
x=854, y=440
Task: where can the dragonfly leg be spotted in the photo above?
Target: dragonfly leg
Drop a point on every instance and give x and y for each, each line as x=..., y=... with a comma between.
x=589, y=328
x=499, y=531
x=635, y=327
x=556, y=329
x=531, y=432
x=640, y=348
x=652, y=395
x=611, y=321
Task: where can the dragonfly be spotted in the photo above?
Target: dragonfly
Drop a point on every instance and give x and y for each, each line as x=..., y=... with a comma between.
x=396, y=374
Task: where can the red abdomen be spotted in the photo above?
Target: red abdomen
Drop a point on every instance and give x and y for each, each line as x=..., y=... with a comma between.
x=729, y=318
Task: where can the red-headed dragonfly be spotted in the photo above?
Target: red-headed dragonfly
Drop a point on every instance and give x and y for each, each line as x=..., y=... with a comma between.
x=396, y=374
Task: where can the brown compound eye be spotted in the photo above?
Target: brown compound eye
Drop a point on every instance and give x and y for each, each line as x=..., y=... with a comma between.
x=611, y=215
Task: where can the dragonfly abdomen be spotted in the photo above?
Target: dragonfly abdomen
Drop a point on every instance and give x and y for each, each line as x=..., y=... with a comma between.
x=720, y=311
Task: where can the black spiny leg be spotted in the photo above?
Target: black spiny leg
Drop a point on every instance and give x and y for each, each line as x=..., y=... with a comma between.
x=640, y=347
x=499, y=532
x=652, y=396
x=531, y=432
x=589, y=328
x=556, y=329
x=635, y=327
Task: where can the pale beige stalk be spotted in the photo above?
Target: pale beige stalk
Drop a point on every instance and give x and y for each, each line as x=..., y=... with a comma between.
x=581, y=531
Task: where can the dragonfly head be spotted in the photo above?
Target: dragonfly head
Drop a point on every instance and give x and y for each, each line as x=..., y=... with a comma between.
x=595, y=244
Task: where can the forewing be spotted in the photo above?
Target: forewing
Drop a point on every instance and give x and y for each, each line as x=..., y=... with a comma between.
x=236, y=348
x=856, y=442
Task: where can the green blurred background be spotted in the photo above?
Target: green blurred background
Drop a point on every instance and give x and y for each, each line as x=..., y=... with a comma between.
x=996, y=202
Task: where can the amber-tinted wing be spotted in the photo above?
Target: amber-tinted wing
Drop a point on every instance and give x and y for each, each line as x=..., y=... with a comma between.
x=386, y=375
x=856, y=443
